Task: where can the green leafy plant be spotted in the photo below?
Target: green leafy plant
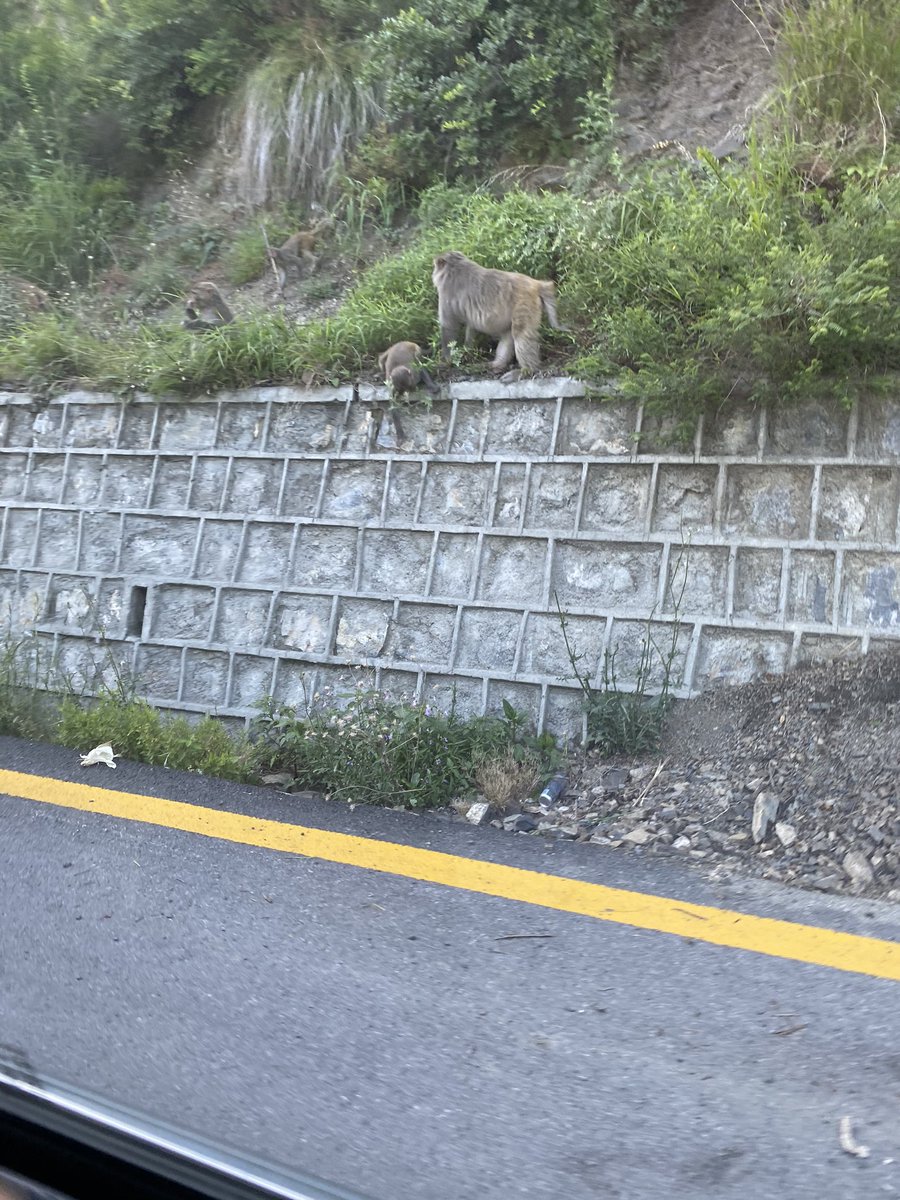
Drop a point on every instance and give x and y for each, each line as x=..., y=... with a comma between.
x=367, y=746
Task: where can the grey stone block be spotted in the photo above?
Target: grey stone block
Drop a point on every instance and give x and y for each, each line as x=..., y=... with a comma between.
x=858, y=504
x=488, y=639
x=813, y=430
x=158, y=546
x=685, y=498
x=592, y=427
x=266, y=556
x=302, y=623
x=84, y=479
x=757, y=584
x=524, y=697
x=58, y=539
x=253, y=487
x=811, y=587
x=606, y=575
x=666, y=435
x=12, y=424
x=172, y=485
x=732, y=431
x=697, y=579
x=564, y=712
x=362, y=628
x=544, y=648
x=136, y=429
x=23, y=600
x=127, y=482
x=644, y=651
x=456, y=494
x=395, y=562
x=400, y=686
x=822, y=647
x=459, y=694
x=301, y=489
x=403, y=492
x=455, y=565
x=46, y=429
x=553, y=493
x=242, y=618
x=92, y=425
x=358, y=433
x=12, y=476
x=158, y=670
x=187, y=426
x=100, y=535
x=737, y=656
x=220, y=544
x=422, y=429
x=295, y=684
x=241, y=425
x=251, y=680
x=296, y=428
x=878, y=434
x=422, y=633
x=326, y=557
x=512, y=569
x=111, y=607
x=517, y=428
x=510, y=496
x=45, y=478
x=615, y=498
x=81, y=664
x=207, y=488
x=870, y=591
x=71, y=603
x=767, y=501
x=354, y=492
x=182, y=612
x=468, y=432
x=205, y=677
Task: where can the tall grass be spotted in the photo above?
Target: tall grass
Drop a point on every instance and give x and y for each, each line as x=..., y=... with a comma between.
x=293, y=130
x=839, y=70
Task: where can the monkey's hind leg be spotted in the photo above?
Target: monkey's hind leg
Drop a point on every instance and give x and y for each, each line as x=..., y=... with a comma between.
x=504, y=355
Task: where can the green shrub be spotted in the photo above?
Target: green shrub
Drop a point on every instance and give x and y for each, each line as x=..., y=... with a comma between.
x=467, y=83
x=365, y=746
x=138, y=731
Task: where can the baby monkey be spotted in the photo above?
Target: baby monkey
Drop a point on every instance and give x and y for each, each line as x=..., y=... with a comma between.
x=402, y=370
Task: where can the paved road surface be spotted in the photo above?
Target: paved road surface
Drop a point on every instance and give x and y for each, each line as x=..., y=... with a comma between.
x=389, y=1034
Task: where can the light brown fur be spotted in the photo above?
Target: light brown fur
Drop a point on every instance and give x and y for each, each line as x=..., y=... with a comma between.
x=205, y=308
x=297, y=252
x=504, y=305
x=402, y=370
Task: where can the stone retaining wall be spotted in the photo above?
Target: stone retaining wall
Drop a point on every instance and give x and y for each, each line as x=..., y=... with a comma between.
x=266, y=541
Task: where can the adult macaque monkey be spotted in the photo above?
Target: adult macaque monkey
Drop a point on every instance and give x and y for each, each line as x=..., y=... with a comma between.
x=402, y=370
x=205, y=308
x=297, y=252
x=505, y=305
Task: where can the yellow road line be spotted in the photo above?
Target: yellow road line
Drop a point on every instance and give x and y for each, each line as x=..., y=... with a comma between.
x=721, y=927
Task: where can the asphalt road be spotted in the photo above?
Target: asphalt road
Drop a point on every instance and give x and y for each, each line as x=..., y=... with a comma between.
x=389, y=1035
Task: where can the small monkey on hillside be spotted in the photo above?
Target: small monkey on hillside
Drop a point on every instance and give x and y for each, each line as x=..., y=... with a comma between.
x=297, y=252
x=402, y=370
x=205, y=308
x=505, y=305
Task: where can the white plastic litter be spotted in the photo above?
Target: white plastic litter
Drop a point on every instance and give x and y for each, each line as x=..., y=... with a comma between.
x=100, y=754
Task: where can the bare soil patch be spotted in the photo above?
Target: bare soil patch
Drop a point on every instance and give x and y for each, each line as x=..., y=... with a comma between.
x=817, y=749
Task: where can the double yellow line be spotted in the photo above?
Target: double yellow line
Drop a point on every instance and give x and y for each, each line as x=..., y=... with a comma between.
x=720, y=927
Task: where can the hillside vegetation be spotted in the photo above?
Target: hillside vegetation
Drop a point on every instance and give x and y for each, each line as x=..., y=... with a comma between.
x=694, y=280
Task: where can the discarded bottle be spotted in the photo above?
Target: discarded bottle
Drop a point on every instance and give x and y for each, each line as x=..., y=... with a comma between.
x=553, y=791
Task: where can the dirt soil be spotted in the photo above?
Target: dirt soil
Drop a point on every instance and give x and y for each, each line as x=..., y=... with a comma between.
x=814, y=754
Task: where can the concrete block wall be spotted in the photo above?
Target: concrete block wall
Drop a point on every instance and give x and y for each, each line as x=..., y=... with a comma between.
x=281, y=541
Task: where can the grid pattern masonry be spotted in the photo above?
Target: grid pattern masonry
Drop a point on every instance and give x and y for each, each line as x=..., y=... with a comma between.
x=280, y=541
